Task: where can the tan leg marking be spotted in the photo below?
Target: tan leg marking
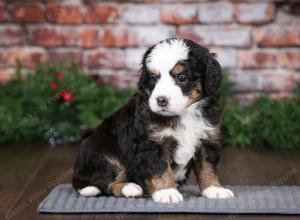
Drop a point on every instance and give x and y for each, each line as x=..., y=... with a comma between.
x=164, y=189
x=117, y=185
x=205, y=175
x=166, y=180
x=116, y=188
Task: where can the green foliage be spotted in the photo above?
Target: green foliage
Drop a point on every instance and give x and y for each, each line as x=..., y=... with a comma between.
x=266, y=122
x=32, y=111
x=226, y=88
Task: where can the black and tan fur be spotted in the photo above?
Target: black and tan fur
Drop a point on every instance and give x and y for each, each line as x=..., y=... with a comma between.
x=111, y=157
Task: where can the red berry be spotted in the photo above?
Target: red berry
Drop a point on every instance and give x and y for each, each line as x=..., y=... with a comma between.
x=59, y=75
x=60, y=93
x=67, y=96
x=53, y=85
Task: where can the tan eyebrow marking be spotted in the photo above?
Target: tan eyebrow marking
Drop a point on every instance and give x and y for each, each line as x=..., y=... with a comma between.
x=178, y=68
x=195, y=94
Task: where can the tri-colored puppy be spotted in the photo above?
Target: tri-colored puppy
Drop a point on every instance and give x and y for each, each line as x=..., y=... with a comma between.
x=168, y=128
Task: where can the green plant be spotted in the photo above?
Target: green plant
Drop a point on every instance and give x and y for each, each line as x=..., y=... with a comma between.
x=54, y=103
x=57, y=104
x=266, y=122
x=226, y=89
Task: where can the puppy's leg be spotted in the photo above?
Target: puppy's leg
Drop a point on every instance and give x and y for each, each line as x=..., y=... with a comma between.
x=94, y=183
x=92, y=176
x=204, y=166
x=150, y=169
x=94, y=172
x=163, y=188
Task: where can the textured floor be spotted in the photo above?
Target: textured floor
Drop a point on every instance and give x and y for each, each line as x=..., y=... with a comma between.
x=248, y=199
x=29, y=173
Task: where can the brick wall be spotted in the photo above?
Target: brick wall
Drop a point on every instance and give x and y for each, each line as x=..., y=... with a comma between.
x=258, y=41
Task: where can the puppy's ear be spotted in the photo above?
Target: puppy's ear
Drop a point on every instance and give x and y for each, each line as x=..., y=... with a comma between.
x=143, y=79
x=213, y=78
x=211, y=108
x=143, y=71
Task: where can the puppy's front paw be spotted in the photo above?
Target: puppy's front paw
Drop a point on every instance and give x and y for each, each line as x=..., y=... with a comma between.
x=170, y=195
x=213, y=192
x=132, y=190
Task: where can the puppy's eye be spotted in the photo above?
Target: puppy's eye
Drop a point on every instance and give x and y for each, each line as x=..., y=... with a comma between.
x=181, y=78
x=154, y=77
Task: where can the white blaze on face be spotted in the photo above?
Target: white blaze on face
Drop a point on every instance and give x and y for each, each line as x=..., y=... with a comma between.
x=162, y=59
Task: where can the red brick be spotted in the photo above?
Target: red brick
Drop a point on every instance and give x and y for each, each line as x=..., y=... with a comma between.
x=139, y=14
x=88, y=38
x=245, y=81
x=257, y=59
x=267, y=80
x=255, y=13
x=58, y=55
x=278, y=81
x=217, y=12
x=109, y=58
x=64, y=14
x=54, y=36
x=119, y=37
x=119, y=78
x=217, y=36
x=136, y=35
x=28, y=13
x=29, y=56
x=279, y=95
x=179, y=14
x=10, y=35
x=2, y=12
x=278, y=36
x=6, y=75
x=149, y=35
x=152, y=1
x=244, y=99
x=2, y=60
x=290, y=59
x=133, y=57
x=102, y=13
x=226, y=57
x=248, y=98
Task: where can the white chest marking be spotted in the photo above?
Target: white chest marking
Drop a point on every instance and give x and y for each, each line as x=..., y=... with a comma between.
x=189, y=131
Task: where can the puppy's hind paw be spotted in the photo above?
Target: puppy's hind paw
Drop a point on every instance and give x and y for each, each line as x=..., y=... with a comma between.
x=213, y=192
x=89, y=191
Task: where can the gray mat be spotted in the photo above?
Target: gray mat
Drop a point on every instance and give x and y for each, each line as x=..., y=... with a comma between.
x=249, y=199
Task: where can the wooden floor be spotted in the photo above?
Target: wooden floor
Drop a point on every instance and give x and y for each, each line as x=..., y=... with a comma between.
x=28, y=173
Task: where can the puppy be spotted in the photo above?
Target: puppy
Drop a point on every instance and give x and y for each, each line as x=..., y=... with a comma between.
x=170, y=127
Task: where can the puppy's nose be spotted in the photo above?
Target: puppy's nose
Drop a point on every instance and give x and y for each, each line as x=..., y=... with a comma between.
x=162, y=101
